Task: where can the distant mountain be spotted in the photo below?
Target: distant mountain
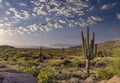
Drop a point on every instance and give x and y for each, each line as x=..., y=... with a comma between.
x=34, y=47
x=105, y=44
x=6, y=46
x=80, y=46
x=110, y=43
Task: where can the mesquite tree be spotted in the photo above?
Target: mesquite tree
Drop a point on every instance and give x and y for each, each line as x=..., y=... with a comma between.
x=89, y=49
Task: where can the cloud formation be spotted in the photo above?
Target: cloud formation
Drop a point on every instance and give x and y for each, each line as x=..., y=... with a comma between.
x=107, y=6
x=22, y=14
x=60, y=7
x=0, y=0
x=47, y=15
x=118, y=16
x=22, y=4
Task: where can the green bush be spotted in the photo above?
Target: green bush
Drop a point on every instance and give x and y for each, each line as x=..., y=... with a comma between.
x=116, y=52
x=114, y=63
x=104, y=74
x=67, y=62
x=45, y=77
x=34, y=72
x=31, y=70
x=114, y=66
x=3, y=65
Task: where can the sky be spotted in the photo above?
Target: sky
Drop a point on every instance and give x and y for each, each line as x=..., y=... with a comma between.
x=57, y=23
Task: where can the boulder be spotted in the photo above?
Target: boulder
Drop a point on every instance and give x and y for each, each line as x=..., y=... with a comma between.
x=94, y=80
x=114, y=79
x=90, y=80
x=14, y=76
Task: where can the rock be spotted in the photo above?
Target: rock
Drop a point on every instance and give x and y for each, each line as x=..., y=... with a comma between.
x=14, y=76
x=114, y=79
x=74, y=80
x=103, y=81
x=92, y=80
x=89, y=80
x=1, y=78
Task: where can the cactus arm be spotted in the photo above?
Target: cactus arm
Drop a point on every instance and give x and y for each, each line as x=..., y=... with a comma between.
x=89, y=51
x=87, y=41
x=96, y=49
x=83, y=42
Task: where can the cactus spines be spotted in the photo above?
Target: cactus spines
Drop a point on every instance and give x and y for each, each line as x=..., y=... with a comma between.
x=89, y=50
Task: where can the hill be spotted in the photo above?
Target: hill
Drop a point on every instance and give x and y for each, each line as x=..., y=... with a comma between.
x=109, y=44
x=6, y=46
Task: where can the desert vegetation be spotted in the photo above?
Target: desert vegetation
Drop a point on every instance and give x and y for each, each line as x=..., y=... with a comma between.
x=57, y=66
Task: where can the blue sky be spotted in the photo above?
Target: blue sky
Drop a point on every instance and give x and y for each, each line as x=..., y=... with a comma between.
x=57, y=23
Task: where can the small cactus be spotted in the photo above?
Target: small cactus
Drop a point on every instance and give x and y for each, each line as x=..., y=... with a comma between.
x=89, y=50
x=40, y=54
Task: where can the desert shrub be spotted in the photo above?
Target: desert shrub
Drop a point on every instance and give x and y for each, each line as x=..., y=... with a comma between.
x=31, y=63
x=23, y=54
x=81, y=64
x=34, y=72
x=14, y=59
x=99, y=62
x=3, y=65
x=104, y=74
x=114, y=63
x=62, y=57
x=31, y=70
x=5, y=59
x=114, y=66
x=45, y=77
x=116, y=52
x=67, y=62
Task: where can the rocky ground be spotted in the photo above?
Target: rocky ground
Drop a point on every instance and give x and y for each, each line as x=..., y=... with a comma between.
x=114, y=79
x=13, y=76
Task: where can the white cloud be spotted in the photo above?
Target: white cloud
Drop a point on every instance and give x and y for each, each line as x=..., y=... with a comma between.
x=90, y=9
x=40, y=10
x=54, y=14
x=19, y=31
x=6, y=24
x=107, y=6
x=7, y=3
x=22, y=4
x=0, y=0
x=47, y=19
x=35, y=3
x=62, y=21
x=57, y=6
x=5, y=28
x=89, y=21
x=93, y=20
x=118, y=16
x=1, y=25
x=7, y=12
x=42, y=0
x=33, y=14
x=22, y=14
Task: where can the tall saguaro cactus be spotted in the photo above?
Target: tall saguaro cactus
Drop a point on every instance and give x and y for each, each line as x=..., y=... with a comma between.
x=89, y=49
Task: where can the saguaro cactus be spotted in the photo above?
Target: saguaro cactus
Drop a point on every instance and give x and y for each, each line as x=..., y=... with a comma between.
x=89, y=50
x=40, y=54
